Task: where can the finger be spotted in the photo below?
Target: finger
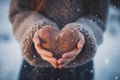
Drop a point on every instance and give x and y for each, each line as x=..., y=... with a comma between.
x=52, y=61
x=54, y=64
x=36, y=38
x=62, y=65
x=63, y=61
x=38, y=47
x=42, y=51
x=71, y=54
x=81, y=42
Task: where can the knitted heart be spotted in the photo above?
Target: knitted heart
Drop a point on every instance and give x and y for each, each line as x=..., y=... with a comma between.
x=59, y=41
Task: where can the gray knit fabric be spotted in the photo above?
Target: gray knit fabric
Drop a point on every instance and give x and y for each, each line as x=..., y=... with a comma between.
x=87, y=15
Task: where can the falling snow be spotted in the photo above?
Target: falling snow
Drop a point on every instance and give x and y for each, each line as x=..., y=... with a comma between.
x=91, y=20
x=108, y=56
x=116, y=78
x=25, y=66
x=114, y=7
x=95, y=22
x=78, y=9
x=106, y=61
x=91, y=71
x=34, y=56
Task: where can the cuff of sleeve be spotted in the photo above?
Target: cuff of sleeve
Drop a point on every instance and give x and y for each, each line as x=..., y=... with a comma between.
x=95, y=25
x=90, y=47
x=28, y=50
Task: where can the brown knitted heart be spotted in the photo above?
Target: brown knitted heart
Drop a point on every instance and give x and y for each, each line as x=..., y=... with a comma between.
x=59, y=41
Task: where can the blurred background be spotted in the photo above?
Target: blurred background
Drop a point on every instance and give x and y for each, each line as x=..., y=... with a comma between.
x=107, y=59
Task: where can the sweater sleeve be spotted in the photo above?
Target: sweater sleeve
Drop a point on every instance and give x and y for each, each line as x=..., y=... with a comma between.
x=92, y=26
x=25, y=23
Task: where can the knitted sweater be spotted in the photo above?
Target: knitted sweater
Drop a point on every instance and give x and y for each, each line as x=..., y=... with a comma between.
x=89, y=15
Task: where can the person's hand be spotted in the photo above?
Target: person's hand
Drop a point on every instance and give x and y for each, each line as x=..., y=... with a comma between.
x=70, y=56
x=45, y=55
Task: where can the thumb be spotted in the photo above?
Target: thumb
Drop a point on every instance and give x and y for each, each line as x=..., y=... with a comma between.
x=36, y=38
x=81, y=42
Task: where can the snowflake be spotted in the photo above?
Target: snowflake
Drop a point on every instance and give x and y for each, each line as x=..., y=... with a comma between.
x=25, y=66
x=114, y=7
x=96, y=15
x=74, y=63
x=116, y=77
x=106, y=61
x=34, y=56
x=78, y=9
x=91, y=71
x=99, y=20
x=95, y=22
x=91, y=20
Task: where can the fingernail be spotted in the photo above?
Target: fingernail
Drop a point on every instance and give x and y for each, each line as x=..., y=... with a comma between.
x=60, y=67
x=58, y=62
x=63, y=56
x=37, y=43
x=50, y=55
x=79, y=46
x=55, y=67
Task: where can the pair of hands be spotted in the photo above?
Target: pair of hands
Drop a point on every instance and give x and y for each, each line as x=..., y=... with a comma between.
x=66, y=57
